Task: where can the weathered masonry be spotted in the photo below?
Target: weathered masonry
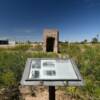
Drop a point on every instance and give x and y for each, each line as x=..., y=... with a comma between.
x=50, y=40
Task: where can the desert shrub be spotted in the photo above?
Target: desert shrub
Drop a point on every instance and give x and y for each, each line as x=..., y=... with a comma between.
x=38, y=48
x=22, y=47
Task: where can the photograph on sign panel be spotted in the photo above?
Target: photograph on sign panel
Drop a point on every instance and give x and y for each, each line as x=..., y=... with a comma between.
x=49, y=72
x=48, y=63
x=36, y=64
x=34, y=74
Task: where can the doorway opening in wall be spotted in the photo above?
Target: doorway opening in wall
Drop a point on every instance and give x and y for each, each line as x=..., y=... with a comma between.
x=50, y=44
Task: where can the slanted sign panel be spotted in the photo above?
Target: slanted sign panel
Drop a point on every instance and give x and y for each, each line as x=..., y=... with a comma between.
x=50, y=72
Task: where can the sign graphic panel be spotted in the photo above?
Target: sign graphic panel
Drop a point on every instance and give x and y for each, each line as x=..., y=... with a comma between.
x=52, y=69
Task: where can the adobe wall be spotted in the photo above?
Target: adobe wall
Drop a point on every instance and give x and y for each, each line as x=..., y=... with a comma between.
x=52, y=33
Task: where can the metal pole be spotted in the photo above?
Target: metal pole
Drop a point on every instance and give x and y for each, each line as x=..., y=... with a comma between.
x=51, y=92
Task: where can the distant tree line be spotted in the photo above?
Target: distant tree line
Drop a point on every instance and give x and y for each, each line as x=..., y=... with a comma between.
x=94, y=40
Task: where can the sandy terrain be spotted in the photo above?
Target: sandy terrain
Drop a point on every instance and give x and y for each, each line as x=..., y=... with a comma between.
x=41, y=93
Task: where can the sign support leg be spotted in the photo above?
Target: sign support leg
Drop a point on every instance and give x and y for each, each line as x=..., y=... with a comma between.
x=51, y=92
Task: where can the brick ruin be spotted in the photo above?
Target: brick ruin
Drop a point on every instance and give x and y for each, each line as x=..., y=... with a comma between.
x=50, y=40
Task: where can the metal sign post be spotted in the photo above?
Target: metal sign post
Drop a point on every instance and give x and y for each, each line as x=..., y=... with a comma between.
x=51, y=92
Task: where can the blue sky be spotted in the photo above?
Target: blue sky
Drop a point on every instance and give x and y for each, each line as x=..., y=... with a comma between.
x=26, y=19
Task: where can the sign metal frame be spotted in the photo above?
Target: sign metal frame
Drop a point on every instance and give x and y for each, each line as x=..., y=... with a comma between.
x=51, y=82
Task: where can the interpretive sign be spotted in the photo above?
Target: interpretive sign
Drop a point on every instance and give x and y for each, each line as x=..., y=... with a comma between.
x=51, y=72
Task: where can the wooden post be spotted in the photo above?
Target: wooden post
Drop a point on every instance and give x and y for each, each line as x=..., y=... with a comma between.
x=51, y=92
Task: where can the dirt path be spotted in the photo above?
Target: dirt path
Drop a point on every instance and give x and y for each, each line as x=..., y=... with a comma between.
x=41, y=93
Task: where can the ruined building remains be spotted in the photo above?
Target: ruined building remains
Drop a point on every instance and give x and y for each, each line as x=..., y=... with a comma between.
x=50, y=40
